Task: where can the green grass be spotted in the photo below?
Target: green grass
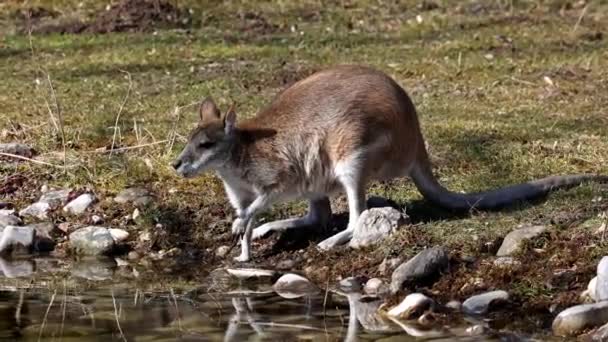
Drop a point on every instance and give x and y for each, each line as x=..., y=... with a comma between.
x=480, y=81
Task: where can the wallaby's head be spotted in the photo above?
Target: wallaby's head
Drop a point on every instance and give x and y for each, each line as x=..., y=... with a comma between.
x=210, y=144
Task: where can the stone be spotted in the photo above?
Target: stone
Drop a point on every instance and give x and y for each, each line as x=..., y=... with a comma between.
x=482, y=303
x=590, y=291
x=119, y=235
x=412, y=306
x=601, y=287
x=376, y=287
x=514, y=239
x=16, y=268
x=476, y=330
x=352, y=284
x=9, y=220
x=575, y=319
x=6, y=212
x=16, y=239
x=246, y=273
x=17, y=149
x=292, y=285
x=96, y=219
x=222, y=251
x=38, y=210
x=80, y=204
x=454, y=305
x=55, y=198
x=375, y=224
x=137, y=196
x=426, y=265
x=92, y=240
x=388, y=265
x=133, y=255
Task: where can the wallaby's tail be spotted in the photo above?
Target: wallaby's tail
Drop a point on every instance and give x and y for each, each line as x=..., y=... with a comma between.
x=431, y=189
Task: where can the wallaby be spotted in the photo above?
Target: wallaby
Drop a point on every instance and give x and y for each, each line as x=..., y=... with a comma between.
x=336, y=130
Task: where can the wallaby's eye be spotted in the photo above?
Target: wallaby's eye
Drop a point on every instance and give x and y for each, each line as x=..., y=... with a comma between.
x=207, y=144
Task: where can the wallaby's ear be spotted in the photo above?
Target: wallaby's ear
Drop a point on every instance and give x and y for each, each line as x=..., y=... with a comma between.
x=230, y=120
x=209, y=111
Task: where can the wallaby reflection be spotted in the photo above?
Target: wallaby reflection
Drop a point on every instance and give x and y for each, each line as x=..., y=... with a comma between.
x=243, y=312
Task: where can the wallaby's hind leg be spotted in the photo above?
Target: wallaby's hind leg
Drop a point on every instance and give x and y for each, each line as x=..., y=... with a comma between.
x=355, y=193
x=319, y=214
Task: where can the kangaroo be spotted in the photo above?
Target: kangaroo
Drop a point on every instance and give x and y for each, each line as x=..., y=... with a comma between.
x=335, y=130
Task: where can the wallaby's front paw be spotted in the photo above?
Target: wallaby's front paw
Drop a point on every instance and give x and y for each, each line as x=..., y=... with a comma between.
x=260, y=232
x=238, y=226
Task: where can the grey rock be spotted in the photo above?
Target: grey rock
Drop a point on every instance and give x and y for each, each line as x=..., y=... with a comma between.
x=514, y=239
x=16, y=268
x=293, y=286
x=17, y=149
x=55, y=198
x=96, y=219
x=454, y=305
x=9, y=220
x=16, y=239
x=137, y=196
x=388, y=265
x=601, y=287
x=425, y=265
x=376, y=224
x=483, y=303
x=80, y=204
x=376, y=287
x=6, y=212
x=94, y=269
x=412, y=306
x=38, y=210
x=222, y=251
x=92, y=240
x=352, y=284
x=580, y=317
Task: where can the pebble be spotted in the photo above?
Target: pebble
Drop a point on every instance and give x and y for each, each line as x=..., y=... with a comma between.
x=482, y=303
x=414, y=305
x=80, y=204
x=119, y=235
x=137, y=196
x=574, y=320
x=514, y=239
x=292, y=285
x=376, y=287
x=38, y=210
x=92, y=240
x=388, y=265
x=222, y=251
x=375, y=224
x=425, y=265
x=96, y=219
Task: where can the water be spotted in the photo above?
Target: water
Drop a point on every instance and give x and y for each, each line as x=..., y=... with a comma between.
x=94, y=300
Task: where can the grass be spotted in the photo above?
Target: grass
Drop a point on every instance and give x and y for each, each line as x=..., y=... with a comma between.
x=506, y=91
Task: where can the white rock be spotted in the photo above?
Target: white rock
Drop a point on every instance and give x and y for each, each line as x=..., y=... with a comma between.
x=96, y=219
x=80, y=204
x=293, y=286
x=412, y=306
x=221, y=251
x=119, y=235
x=375, y=287
x=13, y=236
x=246, y=273
x=482, y=303
x=580, y=317
x=376, y=224
x=38, y=210
x=136, y=214
x=7, y=212
x=601, y=287
x=514, y=239
x=590, y=291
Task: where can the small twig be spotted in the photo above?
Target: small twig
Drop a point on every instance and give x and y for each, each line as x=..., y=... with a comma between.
x=30, y=160
x=122, y=106
x=129, y=147
x=46, y=315
x=116, y=316
x=580, y=18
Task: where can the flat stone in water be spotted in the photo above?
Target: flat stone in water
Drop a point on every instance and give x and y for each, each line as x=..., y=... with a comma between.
x=38, y=210
x=94, y=269
x=376, y=224
x=425, y=265
x=246, y=273
x=80, y=204
x=601, y=287
x=412, y=306
x=293, y=286
x=482, y=303
x=16, y=268
x=574, y=320
x=92, y=240
x=514, y=239
x=9, y=220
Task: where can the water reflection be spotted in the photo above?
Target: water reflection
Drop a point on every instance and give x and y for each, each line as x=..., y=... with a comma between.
x=46, y=299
